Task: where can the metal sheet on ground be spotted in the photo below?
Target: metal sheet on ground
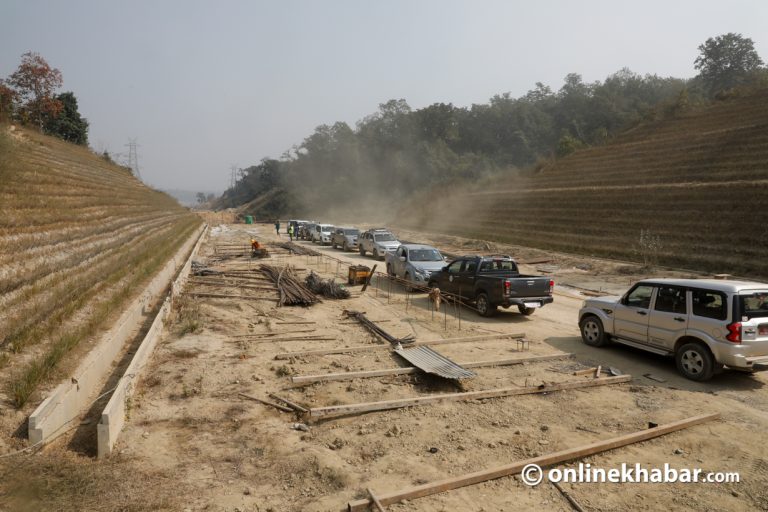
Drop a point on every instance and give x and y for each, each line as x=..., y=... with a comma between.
x=429, y=361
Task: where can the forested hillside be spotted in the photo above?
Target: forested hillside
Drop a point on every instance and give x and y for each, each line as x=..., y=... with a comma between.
x=688, y=191
x=398, y=151
x=402, y=150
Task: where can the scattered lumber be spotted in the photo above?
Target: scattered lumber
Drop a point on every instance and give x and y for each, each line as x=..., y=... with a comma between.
x=232, y=285
x=294, y=338
x=309, y=379
x=371, y=348
x=345, y=410
x=266, y=402
x=375, y=501
x=267, y=334
x=290, y=404
x=223, y=296
x=574, y=504
x=552, y=459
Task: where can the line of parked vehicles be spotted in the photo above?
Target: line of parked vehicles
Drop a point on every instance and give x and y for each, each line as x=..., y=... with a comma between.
x=489, y=282
x=705, y=325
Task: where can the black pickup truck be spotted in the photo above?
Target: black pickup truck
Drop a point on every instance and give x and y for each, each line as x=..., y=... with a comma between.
x=493, y=281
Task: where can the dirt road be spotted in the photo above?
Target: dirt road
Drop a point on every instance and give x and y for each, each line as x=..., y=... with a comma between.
x=190, y=423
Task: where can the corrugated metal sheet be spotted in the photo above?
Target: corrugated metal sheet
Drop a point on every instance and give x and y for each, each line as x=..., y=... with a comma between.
x=429, y=361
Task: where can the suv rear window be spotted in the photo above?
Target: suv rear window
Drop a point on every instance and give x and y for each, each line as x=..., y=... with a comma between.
x=709, y=304
x=754, y=305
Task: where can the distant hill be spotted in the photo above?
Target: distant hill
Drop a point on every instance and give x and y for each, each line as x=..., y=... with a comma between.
x=78, y=237
x=188, y=197
x=699, y=181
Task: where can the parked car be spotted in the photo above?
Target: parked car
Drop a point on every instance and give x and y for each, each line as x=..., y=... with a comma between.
x=493, y=281
x=414, y=263
x=322, y=234
x=705, y=324
x=378, y=242
x=305, y=231
x=346, y=238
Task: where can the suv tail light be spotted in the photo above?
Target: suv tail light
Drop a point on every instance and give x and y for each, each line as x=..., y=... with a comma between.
x=551, y=286
x=734, y=332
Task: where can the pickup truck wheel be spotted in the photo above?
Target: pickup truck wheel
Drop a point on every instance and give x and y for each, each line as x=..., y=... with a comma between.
x=592, y=332
x=694, y=361
x=362, y=251
x=375, y=254
x=484, y=306
x=526, y=311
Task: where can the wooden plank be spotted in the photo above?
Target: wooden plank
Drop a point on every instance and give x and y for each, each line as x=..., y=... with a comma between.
x=224, y=284
x=266, y=402
x=294, y=338
x=225, y=296
x=376, y=503
x=371, y=348
x=268, y=334
x=290, y=404
x=308, y=379
x=588, y=371
x=296, y=322
x=551, y=459
x=345, y=410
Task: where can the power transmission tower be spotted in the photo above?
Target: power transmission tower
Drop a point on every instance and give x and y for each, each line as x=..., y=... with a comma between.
x=133, y=157
x=232, y=176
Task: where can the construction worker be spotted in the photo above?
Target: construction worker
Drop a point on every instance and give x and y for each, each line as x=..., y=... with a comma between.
x=290, y=232
x=277, y=227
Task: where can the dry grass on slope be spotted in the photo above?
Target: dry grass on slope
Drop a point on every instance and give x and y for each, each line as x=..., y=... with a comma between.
x=79, y=236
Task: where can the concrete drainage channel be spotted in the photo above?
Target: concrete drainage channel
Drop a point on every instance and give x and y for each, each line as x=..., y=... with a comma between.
x=73, y=397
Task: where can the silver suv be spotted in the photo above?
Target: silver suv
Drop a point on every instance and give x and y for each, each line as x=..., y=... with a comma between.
x=378, y=242
x=346, y=238
x=704, y=323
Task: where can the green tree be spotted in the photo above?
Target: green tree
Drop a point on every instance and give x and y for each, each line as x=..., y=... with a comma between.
x=68, y=125
x=727, y=61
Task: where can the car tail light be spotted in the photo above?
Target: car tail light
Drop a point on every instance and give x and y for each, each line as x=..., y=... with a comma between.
x=551, y=285
x=507, y=286
x=734, y=332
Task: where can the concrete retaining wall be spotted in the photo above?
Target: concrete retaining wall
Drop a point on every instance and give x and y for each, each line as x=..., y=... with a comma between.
x=114, y=415
x=73, y=397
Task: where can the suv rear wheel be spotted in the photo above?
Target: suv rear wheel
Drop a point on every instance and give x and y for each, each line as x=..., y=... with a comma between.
x=592, y=332
x=694, y=361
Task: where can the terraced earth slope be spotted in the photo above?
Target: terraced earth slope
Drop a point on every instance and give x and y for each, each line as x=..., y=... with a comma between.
x=699, y=181
x=78, y=238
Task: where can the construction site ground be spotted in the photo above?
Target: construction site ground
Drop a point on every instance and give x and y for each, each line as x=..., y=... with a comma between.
x=218, y=450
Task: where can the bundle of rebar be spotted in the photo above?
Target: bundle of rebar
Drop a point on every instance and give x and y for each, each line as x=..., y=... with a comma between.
x=292, y=291
x=298, y=249
x=360, y=317
x=326, y=287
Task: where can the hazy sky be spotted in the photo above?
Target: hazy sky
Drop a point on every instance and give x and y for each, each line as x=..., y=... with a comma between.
x=204, y=85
